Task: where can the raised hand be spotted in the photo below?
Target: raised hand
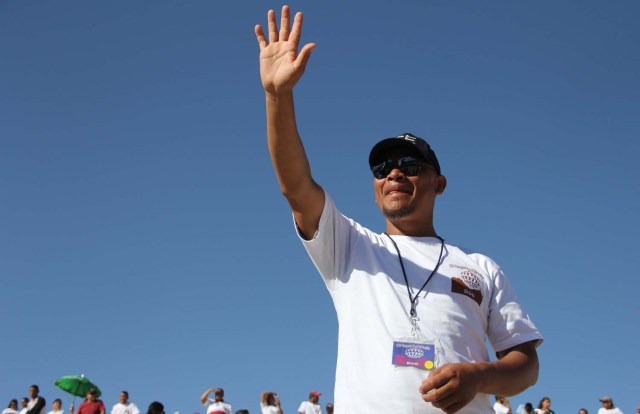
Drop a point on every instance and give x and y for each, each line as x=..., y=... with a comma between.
x=281, y=65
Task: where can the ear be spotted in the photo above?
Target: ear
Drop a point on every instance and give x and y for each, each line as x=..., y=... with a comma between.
x=442, y=184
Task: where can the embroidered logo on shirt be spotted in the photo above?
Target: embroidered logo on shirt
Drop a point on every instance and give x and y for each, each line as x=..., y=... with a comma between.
x=468, y=284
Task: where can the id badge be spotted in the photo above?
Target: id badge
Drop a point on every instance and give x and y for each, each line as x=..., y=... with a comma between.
x=415, y=353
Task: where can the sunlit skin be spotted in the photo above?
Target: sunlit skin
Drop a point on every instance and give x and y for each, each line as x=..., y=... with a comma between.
x=407, y=202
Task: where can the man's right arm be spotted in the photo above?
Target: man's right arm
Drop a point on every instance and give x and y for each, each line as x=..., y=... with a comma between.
x=281, y=66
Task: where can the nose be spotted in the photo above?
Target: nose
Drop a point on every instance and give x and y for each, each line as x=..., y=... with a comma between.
x=396, y=175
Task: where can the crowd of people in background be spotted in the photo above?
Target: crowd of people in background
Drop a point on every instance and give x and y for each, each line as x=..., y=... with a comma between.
x=503, y=406
x=269, y=404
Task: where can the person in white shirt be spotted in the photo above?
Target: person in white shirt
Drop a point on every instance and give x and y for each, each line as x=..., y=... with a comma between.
x=216, y=405
x=12, y=408
x=124, y=406
x=24, y=402
x=57, y=407
x=311, y=406
x=270, y=403
x=608, y=407
x=37, y=403
x=502, y=405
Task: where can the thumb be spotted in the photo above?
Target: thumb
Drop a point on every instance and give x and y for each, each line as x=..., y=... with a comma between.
x=304, y=55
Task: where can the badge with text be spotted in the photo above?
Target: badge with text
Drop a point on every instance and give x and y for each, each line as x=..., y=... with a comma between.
x=414, y=354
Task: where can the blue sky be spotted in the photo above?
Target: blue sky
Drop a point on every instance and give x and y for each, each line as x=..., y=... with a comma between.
x=144, y=240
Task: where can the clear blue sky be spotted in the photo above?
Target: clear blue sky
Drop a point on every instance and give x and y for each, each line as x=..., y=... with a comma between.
x=144, y=241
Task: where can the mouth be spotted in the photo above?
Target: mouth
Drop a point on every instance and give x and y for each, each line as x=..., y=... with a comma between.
x=398, y=191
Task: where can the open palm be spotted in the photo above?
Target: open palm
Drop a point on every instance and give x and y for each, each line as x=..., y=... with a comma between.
x=281, y=65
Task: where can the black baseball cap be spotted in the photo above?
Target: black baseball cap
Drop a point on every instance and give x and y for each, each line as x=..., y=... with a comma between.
x=417, y=146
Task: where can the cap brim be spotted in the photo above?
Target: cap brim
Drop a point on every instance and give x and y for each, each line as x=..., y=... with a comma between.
x=379, y=151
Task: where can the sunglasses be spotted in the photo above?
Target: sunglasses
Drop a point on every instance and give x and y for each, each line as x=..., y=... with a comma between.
x=408, y=165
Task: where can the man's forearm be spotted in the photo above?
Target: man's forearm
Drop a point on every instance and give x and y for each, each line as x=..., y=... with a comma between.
x=515, y=371
x=285, y=146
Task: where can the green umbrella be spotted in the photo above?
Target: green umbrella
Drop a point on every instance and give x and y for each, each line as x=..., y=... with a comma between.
x=77, y=385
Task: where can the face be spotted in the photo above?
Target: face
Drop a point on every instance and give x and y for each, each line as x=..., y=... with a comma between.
x=123, y=397
x=583, y=412
x=607, y=404
x=24, y=402
x=314, y=399
x=546, y=403
x=402, y=197
x=329, y=408
x=13, y=405
x=33, y=392
x=219, y=395
x=56, y=405
x=91, y=397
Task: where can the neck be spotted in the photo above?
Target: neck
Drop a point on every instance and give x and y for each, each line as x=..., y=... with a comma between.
x=408, y=228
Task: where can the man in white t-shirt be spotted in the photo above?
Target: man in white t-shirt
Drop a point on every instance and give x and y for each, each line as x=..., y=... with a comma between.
x=311, y=406
x=217, y=404
x=608, y=407
x=415, y=313
x=124, y=406
x=502, y=405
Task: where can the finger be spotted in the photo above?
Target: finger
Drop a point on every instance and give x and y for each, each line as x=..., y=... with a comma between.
x=435, y=380
x=262, y=41
x=284, y=23
x=304, y=55
x=296, y=31
x=273, y=29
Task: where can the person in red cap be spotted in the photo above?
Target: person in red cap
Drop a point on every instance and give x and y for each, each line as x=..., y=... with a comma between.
x=311, y=406
x=415, y=312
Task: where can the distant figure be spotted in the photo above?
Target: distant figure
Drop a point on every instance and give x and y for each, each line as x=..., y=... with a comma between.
x=329, y=408
x=502, y=405
x=544, y=406
x=155, y=408
x=57, y=407
x=311, y=406
x=92, y=405
x=583, y=411
x=217, y=405
x=24, y=402
x=270, y=403
x=608, y=407
x=124, y=406
x=12, y=408
x=37, y=403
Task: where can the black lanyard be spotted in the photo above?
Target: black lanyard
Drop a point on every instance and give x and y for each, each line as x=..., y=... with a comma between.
x=414, y=299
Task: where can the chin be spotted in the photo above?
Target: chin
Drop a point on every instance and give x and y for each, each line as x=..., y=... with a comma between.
x=398, y=212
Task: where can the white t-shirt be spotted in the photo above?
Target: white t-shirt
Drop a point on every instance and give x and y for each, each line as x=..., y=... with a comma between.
x=269, y=409
x=499, y=408
x=217, y=407
x=9, y=411
x=307, y=407
x=468, y=301
x=614, y=410
x=120, y=408
x=56, y=412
